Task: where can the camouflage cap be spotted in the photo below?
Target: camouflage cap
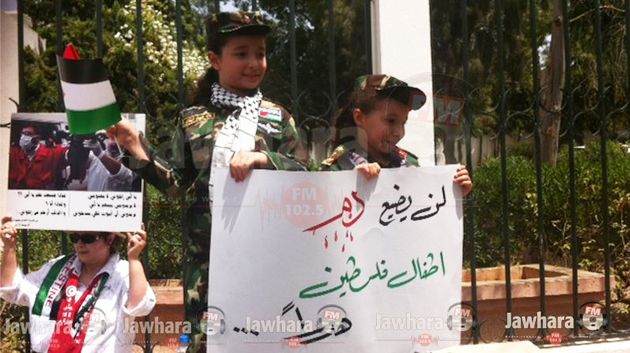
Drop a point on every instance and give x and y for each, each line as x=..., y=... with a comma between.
x=236, y=22
x=390, y=86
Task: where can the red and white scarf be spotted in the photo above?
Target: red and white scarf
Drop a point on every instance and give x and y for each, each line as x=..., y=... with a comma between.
x=58, y=300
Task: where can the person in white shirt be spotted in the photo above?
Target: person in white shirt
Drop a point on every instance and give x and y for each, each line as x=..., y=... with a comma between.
x=99, y=178
x=103, y=170
x=82, y=302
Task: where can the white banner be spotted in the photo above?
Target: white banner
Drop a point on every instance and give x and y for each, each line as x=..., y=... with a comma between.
x=57, y=183
x=329, y=262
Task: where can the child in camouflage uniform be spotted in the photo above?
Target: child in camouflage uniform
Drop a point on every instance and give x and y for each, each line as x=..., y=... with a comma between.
x=230, y=126
x=373, y=122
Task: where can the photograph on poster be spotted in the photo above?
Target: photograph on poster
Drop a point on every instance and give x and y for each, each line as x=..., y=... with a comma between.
x=57, y=178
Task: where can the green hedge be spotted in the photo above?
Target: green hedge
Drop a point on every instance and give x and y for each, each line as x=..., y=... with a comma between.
x=523, y=210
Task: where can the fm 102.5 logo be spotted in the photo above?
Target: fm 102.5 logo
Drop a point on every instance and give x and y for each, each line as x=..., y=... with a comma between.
x=592, y=318
x=460, y=317
x=214, y=321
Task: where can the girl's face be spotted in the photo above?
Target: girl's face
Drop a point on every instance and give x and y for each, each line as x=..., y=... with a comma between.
x=242, y=63
x=383, y=127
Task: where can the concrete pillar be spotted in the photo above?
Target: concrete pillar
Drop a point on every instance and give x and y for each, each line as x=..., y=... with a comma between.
x=9, y=89
x=401, y=37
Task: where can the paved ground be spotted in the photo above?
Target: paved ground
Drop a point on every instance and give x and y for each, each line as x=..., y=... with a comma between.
x=604, y=347
x=156, y=349
x=528, y=347
x=511, y=347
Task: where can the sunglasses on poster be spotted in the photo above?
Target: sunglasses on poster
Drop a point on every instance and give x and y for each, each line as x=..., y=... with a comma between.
x=85, y=238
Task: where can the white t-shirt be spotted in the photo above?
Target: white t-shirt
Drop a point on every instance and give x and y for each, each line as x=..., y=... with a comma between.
x=110, y=328
x=98, y=178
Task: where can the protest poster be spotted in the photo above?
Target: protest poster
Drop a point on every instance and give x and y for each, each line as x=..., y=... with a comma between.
x=332, y=262
x=60, y=181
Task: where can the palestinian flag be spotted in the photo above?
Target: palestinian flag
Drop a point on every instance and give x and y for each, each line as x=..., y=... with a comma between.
x=87, y=94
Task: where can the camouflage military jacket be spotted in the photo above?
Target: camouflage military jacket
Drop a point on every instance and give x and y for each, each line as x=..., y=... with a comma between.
x=347, y=156
x=182, y=168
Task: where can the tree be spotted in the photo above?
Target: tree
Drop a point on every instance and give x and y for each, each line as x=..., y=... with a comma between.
x=447, y=46
x=120, y=54
x=312, y=61
x=552, y=78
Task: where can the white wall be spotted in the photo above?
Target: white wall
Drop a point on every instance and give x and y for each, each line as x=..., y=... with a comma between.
x=401, y=47
x=9, y=83
x=8, y=88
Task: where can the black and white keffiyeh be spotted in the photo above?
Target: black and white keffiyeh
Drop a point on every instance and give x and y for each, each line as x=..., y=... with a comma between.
x=238, y=132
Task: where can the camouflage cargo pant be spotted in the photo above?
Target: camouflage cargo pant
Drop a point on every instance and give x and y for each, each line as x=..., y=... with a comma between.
x=197, y=247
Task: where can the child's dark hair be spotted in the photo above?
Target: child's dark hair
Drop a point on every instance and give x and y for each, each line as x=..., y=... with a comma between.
x=202, y=92
x=214, y=43
x=344, y=119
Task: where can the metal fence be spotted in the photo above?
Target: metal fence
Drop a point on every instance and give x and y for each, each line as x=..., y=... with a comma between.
x=502, y=111
x=602, y=109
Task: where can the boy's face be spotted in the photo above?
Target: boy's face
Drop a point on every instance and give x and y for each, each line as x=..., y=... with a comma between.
x=242, y=64
x=383, y=127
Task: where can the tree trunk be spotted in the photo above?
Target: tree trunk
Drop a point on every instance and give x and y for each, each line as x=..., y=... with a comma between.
x=552, y=78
